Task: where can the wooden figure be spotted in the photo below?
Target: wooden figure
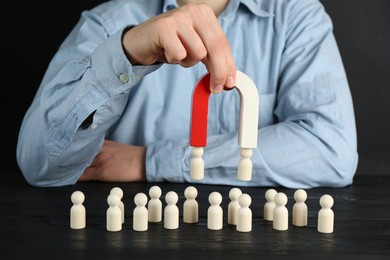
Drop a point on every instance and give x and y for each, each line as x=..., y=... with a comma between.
x=140, y=212
x=245, y=165
x=155, y=204
x=300, y=209
x=171, y=211
x=197, y=164
x=269, y=206
x=244, y=214
x=326, y=215
x=233, y=206
x=118, y=191
x=114, y=213
x=215, y=212
x=280, y=221
x=77, y=211
x=190, y=206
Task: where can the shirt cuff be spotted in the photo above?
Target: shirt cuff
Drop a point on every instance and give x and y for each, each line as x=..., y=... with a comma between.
x=165, y=161
x=113, y=70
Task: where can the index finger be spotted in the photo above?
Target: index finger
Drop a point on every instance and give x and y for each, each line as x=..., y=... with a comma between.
x=219, y=60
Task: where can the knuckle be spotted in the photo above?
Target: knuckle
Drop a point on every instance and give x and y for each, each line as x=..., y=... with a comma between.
x=219, y=76
x=205, y=8
x=176, y=57
x=190, y=7
x=178, y=17
x=197, y=10
x=163, y=23
x=200, y=53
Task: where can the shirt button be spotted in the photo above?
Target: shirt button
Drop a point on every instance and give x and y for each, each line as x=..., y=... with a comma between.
x=94, y=126
x=137, y=77
x=124, y=78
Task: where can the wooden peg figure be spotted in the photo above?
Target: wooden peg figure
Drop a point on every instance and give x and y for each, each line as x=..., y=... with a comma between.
x=118, y=191
x=269, y=206
x=77, y=211
x=197, y=163
x=155, y=204
x=190, y=206
x=171, y=211
x=233, y=206
x=280, y=221
x=244, y=214
x=215, y=212
x=244, y=172
x=326, y=215
x=300, y=209
x=114, y=213
x=140, y=212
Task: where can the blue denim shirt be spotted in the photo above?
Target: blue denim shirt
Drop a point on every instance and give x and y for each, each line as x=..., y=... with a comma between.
x=307, y=134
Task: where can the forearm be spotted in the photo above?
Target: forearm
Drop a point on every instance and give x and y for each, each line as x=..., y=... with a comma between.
x=56, y=143
x=40, y=168
x=288, y=154
x=46, y=159
x=297, y=156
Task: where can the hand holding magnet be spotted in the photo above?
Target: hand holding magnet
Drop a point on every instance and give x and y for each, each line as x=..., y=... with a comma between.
x=248, y=124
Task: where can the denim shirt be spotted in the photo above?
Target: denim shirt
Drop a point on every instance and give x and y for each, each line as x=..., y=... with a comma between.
x=307, y=133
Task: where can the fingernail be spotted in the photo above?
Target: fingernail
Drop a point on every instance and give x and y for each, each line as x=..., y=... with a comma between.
x=218, y=89
x=230, y=81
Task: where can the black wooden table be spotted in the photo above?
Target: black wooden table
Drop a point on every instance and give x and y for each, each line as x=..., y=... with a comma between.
x=34, y=222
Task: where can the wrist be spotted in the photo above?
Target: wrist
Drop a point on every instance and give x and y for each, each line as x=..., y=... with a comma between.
x=125, y=39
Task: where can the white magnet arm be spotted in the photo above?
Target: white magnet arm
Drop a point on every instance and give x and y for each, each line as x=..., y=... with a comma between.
x=249, y=111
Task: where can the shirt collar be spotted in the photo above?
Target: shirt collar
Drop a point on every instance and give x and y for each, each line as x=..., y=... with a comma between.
x=254, y=7
x=230, y=9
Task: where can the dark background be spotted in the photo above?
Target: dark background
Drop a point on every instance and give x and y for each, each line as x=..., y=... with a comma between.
x=31, y=32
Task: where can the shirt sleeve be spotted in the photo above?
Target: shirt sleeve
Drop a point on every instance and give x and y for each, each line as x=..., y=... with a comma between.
x=312, y=144
x=89, y=77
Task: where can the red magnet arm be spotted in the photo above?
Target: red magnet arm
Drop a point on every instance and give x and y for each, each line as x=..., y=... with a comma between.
x=200, y=107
